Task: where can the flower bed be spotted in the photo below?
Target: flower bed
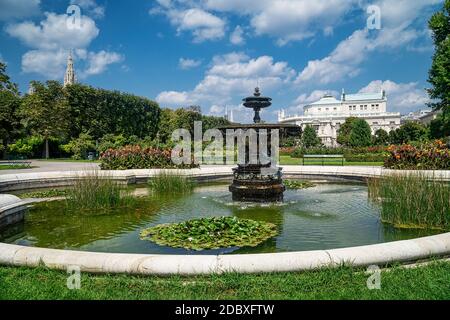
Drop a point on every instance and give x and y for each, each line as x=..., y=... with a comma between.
x=136, y=157
x=211, y=233
x=427, y=156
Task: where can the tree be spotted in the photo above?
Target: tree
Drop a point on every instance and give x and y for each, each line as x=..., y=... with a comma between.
x=361, y=134
x=343, y=137
x=310, y=138
x=380, y=138
x=439, y=74
x=45, y=112
x=408, y=132
x=9, y=104
x=80, y=146
x=439, y=128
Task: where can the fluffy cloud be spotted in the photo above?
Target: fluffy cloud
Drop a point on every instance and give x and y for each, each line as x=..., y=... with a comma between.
x=237, y=36
x=12, y=9
x=345, y=60
x=229, y=78
x=90, y=7
x=54, y=33
x=203, y=25
x=402, y=97
x=50, y=41
x=187, y=64
x=314, y=96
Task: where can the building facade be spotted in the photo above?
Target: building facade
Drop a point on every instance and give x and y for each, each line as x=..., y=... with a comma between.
x=328, y=114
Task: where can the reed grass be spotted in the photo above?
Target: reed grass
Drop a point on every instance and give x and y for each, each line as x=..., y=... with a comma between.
x=167, y=182
x=92, y=190
x=412, y=201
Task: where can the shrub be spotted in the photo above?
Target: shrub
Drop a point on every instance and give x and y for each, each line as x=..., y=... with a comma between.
x=27, y=146
x=310, y=138
x=426, y=156
x=80, y=146
x=136, y=157
x=361, y=134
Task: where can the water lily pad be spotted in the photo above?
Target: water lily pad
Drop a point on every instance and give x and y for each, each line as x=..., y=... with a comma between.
x=211, y=233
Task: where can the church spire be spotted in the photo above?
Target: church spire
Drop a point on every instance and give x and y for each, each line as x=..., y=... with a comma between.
x=69, y=77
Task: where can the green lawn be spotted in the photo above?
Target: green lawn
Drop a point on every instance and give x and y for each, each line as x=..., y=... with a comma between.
x=288, y=160
x=69, y=160
x=429, y=282
x=13, y=167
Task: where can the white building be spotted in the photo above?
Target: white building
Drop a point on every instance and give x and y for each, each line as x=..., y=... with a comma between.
x=328, y=114
x=69, y=76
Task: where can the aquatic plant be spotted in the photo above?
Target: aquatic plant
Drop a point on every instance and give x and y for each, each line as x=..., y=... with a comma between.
x=211, y=233
x=93, y=190
x=298, y=184
x=166, y=182
x=50, y=193
x=412, y=201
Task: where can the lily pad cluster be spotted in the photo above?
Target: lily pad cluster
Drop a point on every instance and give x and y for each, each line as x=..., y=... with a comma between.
x=211, y=233
x=298, y=184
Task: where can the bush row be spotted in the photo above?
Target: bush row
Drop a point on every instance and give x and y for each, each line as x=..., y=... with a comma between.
x=136, y=157
x=427, y=156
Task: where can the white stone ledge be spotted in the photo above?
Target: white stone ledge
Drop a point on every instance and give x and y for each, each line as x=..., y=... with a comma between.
x=94, y=262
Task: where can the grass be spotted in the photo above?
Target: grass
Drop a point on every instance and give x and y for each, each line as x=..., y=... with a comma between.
x=69, y=160
x=14, y=167
x=288, y=160
x=426, y=282
x=167, y=182
x=50, y=193
x=94, y=191
x=412, y=201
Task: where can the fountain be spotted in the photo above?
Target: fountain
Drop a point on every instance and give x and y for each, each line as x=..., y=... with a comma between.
x=260, y=180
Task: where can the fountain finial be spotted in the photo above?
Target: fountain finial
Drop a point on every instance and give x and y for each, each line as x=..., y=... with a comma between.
x=257, y=92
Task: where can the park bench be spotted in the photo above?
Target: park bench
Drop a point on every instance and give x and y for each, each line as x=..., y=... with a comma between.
x=323, y=158
x=16, y=163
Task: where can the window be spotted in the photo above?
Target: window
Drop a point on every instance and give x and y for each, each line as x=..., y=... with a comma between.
x=375, y=123
x=334, y=109
x=361, y=107
x=319, y=109
x=392, y=122
x=327, y=109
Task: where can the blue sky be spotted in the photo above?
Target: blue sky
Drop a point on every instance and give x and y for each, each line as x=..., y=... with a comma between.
x=214, y=52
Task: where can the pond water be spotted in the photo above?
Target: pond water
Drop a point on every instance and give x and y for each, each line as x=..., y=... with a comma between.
x=326, y=216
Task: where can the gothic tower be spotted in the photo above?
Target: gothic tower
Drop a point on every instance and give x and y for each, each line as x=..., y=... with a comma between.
x=69, y=77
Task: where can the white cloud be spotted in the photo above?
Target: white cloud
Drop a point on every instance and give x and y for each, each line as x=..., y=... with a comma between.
x=16, y=9
x=314, y=96
x=402, y=97
x=51, y=40
x=90, y=7
x=174, y=98
x=216, y=110
x=98, y=62
x=229, y=78
x=237, y=36
x=53, y=33
x=202, y=24
x=187, y=64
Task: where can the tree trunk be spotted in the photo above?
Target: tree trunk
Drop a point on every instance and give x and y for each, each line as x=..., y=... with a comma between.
x=47, y=151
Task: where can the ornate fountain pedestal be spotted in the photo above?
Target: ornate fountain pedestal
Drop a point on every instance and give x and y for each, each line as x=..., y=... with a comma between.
x=260, y=180
x=250, y=184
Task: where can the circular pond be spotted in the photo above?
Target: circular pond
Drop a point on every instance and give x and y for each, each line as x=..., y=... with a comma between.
x=325, y=216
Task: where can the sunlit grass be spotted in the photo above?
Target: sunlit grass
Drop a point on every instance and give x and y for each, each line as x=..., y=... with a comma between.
x=167, y=182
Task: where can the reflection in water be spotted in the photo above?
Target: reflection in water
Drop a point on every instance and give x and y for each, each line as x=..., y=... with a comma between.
x=323, y=217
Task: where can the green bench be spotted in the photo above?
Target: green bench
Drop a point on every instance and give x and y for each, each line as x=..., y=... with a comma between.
x=324, y=158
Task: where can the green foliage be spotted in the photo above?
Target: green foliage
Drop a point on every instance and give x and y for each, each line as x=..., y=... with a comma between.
x=45, y=112
x=80, y=146
x=102, y=112
x=182, y=118
x=310, y=138
x=424, y=156
x=360, y=134
x=94, y=191
x=136, y=157
x=380, y=138
x=440, y=127
x=211, y=233
x=409, y=132
x=170, y=183
x=51, y=193
x=439, y=25
x=412, y=201
x=345, y=130
x=355, y=154
x=27, y=146
x=110, y=141
x=298, y=184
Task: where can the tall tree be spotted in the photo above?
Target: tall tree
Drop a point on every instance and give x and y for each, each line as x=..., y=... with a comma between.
x=9, y=103
x=310, y=138
x=439, y=75
x=380, y=138
x=45, y=112
x=343, y=137
x=361, y=134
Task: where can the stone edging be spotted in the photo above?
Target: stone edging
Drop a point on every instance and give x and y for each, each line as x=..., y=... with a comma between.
x=377, y=254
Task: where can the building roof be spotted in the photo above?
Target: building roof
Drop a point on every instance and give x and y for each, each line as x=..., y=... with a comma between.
x=364, y=96
x=326, y=100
